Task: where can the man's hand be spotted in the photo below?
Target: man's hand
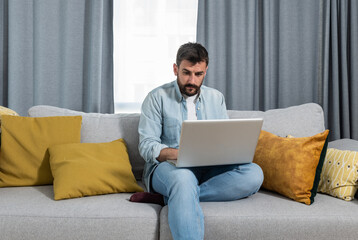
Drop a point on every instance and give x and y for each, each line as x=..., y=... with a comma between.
x=168, y=154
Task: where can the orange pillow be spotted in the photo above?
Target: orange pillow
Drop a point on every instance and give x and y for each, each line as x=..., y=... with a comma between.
x=291, y=166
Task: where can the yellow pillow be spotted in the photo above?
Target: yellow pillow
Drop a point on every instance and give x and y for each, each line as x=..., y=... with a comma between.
x=24, y=159
x=340, y=174
x=290, y=164
x=86, y=169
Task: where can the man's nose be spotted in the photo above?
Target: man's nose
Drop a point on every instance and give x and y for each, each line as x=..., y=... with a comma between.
x=192, y=78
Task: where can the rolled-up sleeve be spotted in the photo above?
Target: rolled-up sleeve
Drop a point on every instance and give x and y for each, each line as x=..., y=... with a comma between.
x=150, y=130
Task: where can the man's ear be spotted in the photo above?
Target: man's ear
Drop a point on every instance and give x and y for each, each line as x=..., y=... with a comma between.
x=175, y=69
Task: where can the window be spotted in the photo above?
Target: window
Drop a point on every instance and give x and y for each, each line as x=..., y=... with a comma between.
x=147, y=35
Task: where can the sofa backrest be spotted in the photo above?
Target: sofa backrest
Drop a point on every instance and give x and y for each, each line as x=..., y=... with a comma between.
x=299, y=121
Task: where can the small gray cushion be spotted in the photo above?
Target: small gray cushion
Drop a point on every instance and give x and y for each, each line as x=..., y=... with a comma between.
x=97, y=127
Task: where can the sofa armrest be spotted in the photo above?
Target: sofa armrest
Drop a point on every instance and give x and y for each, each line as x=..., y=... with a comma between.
x=344, y=144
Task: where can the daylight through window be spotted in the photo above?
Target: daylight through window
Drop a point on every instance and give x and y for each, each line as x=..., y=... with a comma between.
x=147, y=35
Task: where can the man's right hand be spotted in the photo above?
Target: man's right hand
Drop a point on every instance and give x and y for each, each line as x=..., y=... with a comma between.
x=168, y=154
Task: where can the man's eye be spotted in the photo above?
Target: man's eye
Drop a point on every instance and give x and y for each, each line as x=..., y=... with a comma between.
x=186, y=73
x=199, y=74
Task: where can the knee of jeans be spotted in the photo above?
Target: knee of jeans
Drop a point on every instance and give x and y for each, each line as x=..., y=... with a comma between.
x=184, y=180
x=256, y=176
x=253, y=175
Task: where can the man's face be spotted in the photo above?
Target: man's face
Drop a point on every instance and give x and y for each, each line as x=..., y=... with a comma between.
x=190, y=76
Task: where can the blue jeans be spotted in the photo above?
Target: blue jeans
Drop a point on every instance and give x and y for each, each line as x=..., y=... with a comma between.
x=184, y=188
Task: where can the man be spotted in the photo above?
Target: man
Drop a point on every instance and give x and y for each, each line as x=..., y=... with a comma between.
x=163, y=111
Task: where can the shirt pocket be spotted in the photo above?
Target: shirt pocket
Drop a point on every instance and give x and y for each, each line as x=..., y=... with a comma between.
x=171, y=132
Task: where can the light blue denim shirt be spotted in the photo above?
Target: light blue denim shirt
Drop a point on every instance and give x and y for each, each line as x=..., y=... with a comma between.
x=163, y=111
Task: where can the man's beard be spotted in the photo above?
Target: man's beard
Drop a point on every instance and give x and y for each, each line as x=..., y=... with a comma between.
x=184, y=89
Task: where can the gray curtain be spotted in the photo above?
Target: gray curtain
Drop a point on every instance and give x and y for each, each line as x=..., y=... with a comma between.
x=340, y=68
x=56, y=52
x=280, y=53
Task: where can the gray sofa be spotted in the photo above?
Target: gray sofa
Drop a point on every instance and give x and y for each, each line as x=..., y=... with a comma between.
x=31, y=212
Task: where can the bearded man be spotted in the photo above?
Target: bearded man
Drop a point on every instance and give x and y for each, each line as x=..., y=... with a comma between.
x=162, y=114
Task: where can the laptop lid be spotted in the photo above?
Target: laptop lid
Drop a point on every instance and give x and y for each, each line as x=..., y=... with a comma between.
x=218, y=142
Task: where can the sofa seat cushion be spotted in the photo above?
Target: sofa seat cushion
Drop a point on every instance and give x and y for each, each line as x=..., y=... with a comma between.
x=267, y=215
x=31, y=213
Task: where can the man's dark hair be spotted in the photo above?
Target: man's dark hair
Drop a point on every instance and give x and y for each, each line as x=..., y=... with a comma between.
x=192, y=52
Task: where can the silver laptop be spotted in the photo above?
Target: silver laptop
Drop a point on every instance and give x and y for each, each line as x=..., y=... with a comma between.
x=218, y=142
